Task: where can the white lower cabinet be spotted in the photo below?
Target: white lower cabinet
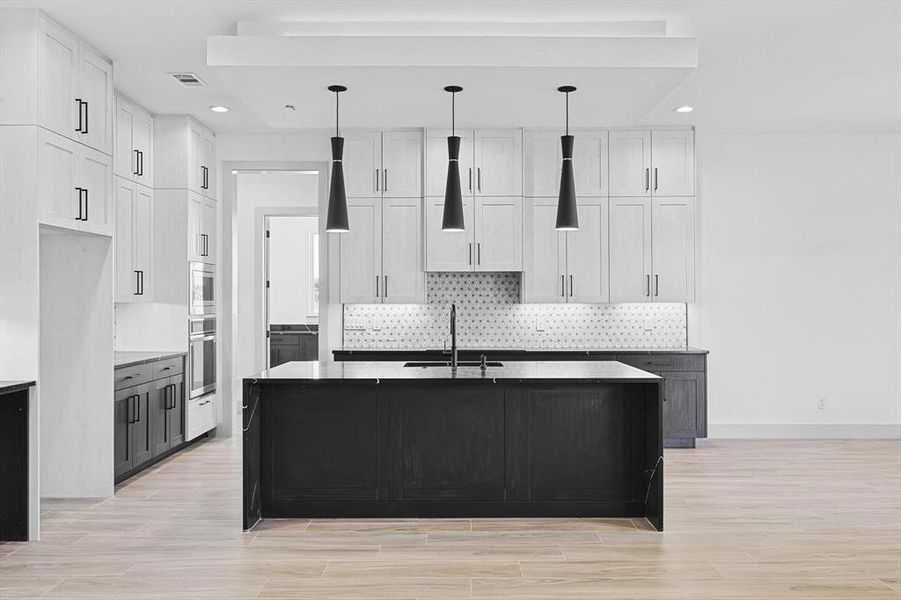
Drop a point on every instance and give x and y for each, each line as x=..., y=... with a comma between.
x=565, y=266
x=75, y=185
x=492, y=240
x=652, y=244
x=381, y=255
x=200, y=415
x=133, y=240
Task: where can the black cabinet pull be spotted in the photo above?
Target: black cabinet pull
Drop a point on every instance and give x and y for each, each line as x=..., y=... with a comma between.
x=129, y=409
x=78, y=102
x=386, y=286
x=655, y=179
x=86, y=202
x=85, y=130
x=563, y=286
x=80, y=213
x=647, y=179
x=656, y=284
x=141, y=163
x=137, y=283
x=647, y=285
x=570, y=286
x=137, y=409
x=137, y=169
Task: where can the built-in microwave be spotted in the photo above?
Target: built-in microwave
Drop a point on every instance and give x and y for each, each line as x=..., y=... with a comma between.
x=203, y=288
x=202, y=356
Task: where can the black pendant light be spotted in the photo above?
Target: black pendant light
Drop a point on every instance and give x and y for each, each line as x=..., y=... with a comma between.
x=567, y=211
x=336, y=220
x=452, y=220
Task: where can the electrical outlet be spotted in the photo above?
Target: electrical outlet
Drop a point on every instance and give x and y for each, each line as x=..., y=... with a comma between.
x=355, y=325
x=539, y=325
x=821, y=403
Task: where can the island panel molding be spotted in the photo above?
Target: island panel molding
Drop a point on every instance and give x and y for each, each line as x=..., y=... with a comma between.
x=491, y=316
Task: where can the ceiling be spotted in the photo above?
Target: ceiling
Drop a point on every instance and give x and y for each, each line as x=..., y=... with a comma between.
x=762, y=67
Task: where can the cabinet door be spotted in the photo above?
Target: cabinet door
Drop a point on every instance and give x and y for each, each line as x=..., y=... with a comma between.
x=95, y=86
x=630, y=249
x=402, y=164
x=544, y=253
x=123, y=445
x=195, y=158
x=498, y=162
x=498, y=234
x=96, y=172
x=586, y=254
x=590, y=163
x=58, y=198
x=159, y=415
x=143, y=424
x=683, y=409
x=449, y=250
x=361, y=252
x=143, y=143
x=674, y=162
x=208, y=161
x=57, y=108
x=195, y=227
x=125, y=161
x=208, y=228
x=142, y=233
x=437, y=161
x=363, y=164
x=541, y=164
x=403, y=278
x=630, y=163
x=127, y=285
x=673, y=249
x=177, y=412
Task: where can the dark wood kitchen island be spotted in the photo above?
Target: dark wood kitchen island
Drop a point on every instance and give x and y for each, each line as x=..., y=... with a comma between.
x=378, y=439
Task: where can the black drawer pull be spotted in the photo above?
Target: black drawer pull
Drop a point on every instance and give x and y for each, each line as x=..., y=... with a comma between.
x=662, y=363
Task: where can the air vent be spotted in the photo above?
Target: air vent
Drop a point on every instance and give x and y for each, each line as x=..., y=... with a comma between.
x=188, y=79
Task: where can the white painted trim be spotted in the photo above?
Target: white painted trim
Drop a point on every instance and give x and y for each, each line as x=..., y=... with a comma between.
x=806, y=431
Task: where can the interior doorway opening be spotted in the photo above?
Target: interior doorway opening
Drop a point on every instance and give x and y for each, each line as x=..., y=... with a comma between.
x=292, y=289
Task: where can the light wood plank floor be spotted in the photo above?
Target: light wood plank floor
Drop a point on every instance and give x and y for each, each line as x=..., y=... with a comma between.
x=744, y=519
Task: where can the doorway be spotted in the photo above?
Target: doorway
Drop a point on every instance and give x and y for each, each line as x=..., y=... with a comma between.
x=291, y=304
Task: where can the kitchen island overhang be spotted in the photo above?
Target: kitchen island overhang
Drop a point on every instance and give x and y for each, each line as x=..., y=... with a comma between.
x=377, y=439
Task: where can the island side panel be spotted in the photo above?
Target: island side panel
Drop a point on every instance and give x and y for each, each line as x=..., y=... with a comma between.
x=653, y=471
x=252, y=405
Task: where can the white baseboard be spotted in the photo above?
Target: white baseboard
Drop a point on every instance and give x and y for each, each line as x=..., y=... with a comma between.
x=805, y=431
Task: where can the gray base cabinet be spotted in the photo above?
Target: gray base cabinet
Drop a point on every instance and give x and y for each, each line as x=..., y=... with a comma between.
x=132, y=430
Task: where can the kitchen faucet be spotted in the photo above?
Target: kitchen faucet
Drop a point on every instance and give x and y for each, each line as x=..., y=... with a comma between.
x=453, y=332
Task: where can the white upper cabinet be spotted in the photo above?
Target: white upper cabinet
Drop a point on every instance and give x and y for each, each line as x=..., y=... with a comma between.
x=449, y=250
x=52, y=79
x=497, y=158
x=673, y=249
x=74, y=185
x=542, y=156
x=402, y=164
x=403, y=277
x=133, y=238
x=673, y=161
x=437, y=161
x=630, y=163
x=134, y=142
x=362, y=164
x=207, y=164
x=544, y=253
x=630, y=249
x=498, y=234
x=183, y=155
x=201, y=228
x=361, y=252
x=570, y=266
x=591, y=162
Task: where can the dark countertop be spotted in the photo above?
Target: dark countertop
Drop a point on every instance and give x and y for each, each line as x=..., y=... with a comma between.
x=129, y=358
x=579, y=351
x=8, y=387
x=390, y=371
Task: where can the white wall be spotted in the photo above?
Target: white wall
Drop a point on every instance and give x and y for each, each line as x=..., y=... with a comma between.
x=291, y=269
x=799, y=282
x=258, y=194
x=151, y=326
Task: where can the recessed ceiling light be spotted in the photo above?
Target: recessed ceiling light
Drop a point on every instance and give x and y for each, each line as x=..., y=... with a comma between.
x=684, y=109
x=219, y=109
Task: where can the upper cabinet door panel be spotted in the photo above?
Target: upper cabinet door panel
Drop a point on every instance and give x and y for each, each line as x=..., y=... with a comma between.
x=143, y=142
x=58, y=198
x=97, y=179
x=630, y=163
x=95, y=86
x=590, y=163
x=402, y=164
x=208, y=161
x=448, y=250
x=544, y=253
x=362, y=164
x=437, y=161
x=195, y=159
x=143, y=238
x=586, y=253
x=125, y=161
x=630, y=249
x=361, y=252
x=498, y=162
x=498, y=234
x=674, y=160
x=123, y=239
x=57, y=108
x=541, y=164
x=403, y=278
x=674, y=249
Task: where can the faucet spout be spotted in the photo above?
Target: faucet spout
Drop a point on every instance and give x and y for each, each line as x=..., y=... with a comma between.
x=453, y=332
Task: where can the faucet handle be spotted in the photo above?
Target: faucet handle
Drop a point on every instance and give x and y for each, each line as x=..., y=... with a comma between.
x=483, y=362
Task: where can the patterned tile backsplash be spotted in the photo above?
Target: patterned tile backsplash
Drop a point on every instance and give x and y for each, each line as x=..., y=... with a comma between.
x=490, y=315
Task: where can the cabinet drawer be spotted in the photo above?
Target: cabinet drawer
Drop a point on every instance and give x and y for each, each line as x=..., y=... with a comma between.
x=134, y=375
x=664, y=362
x=200, y=416
x=168, y=367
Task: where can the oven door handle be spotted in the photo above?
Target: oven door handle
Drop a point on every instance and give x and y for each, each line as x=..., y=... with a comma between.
x=202, y=338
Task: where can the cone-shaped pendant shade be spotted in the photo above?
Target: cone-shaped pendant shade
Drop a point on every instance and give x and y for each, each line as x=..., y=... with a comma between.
x=452, y=220
x=567, y=211
x=336, y=220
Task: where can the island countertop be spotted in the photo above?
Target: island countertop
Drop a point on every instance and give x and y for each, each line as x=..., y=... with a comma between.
x=612, y=371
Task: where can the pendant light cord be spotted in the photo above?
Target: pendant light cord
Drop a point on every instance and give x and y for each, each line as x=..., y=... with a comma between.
x=337, y=113
x=567, y=113
x=453, y=111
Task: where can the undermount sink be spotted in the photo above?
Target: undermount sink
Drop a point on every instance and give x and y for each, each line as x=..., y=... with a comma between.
x=462, y=363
